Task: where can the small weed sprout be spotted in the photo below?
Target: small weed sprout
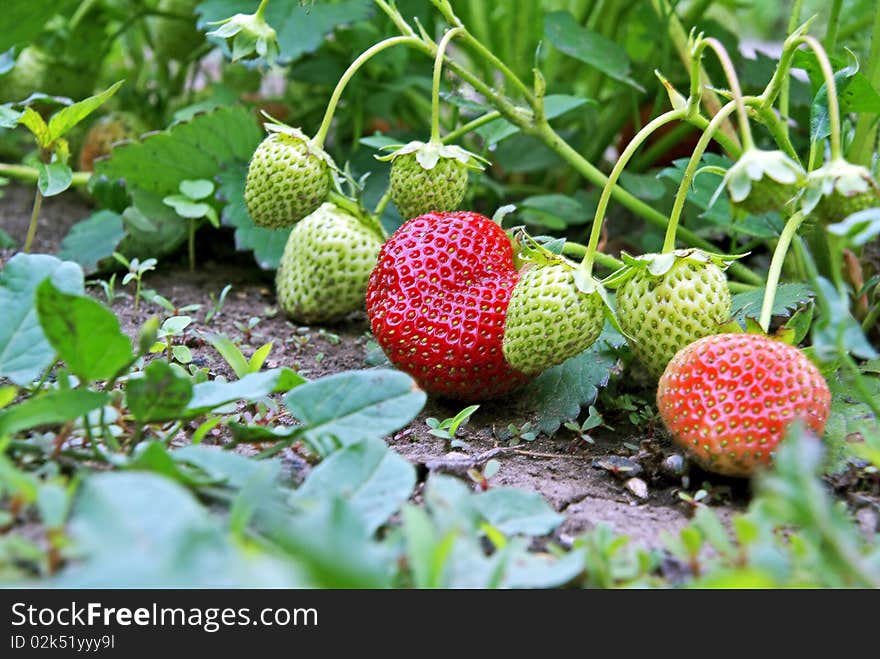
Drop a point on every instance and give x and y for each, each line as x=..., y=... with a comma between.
x=447, y=428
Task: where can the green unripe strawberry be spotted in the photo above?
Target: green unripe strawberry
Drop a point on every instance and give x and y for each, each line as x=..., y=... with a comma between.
x=663, y=311
x=549, y=319
x=837, y=190
x=429, y=178
x=416, y=190
x=25, y=78
x=762, y=181
x=176, y=38
x=287, y=179
x=325, y=266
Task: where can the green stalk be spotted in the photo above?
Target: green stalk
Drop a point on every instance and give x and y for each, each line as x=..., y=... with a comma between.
x=464, y=129
x=435, y=83
x=552, y=140
x=833, y=26
x=863, y=144
x=32, y=227
x=446, y=9
x=364, y=57
x=689, y=172
x=785, y=238
x=733, y=80
x=31, y=175
x=605, y=197
x=679, y=38
x=350, y=206
x=785, y=92
x=831, y=88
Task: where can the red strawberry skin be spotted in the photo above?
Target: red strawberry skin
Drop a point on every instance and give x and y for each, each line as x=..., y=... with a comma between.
x=437, y=302
x=728, y=398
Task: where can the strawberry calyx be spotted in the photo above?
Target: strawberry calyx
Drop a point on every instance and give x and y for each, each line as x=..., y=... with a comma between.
x=250, y=36
x=761, y=180
x=657, y=265
x=275, y=126
x=428, y=154
x=837, y=177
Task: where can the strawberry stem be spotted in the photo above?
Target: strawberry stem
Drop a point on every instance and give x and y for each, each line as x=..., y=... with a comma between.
x=785, y=91
x=735, y=88
x=688, y=176
x=32, y=227
x=362, y=59
x=435, y=83
x=785, y=238
x=261, y=9
x=831, y=92
x=601, y=207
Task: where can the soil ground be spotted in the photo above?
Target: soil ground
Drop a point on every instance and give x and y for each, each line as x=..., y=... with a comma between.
x=562, y=468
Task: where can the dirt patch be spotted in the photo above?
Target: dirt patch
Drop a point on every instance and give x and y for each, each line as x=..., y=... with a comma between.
x=563, y=468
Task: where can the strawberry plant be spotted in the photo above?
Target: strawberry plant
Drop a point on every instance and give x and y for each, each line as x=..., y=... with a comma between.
x=592, y=306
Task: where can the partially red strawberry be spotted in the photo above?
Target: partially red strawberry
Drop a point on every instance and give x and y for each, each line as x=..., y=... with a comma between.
x=448, y=306
x=728, y=398
x=437, y=302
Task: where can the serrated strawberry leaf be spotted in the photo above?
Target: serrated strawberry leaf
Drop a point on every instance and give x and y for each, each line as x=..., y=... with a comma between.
x=558, y=394
x=789, y=298
x=196, y=149
x=266, y=244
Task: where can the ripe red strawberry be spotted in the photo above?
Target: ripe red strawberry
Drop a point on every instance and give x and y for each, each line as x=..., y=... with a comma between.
x=437, y=302
x=728, y=398
x=448, y=306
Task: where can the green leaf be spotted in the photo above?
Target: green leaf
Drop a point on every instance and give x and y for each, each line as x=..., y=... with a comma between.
x=373, y=478
x=227, y=467
x=300, y=29
x=589, y=47
x=32, y=120
x=66, y=118
x=85, y=334
x=186, y=207
x=544, y=209
x=198, y=189
x=152, y=228
x=154, y=456
x=266, y=244
x=251, y=388
x=555, y=105
x=341, y=409
x=160, y=395
x=53, y=178
x=230, y=353
x=92, y=240
x=53, y=503
x=52, y=408
x=514, y=511
x=20, y=22
x=141, y=529
x=559, y=393
x=24, y=350
x=855, y=92
x=789, y=297
x=195, y=149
